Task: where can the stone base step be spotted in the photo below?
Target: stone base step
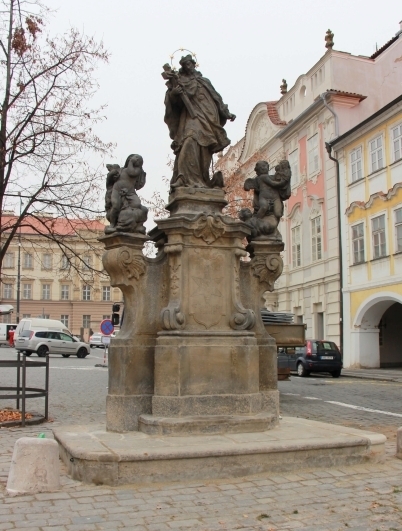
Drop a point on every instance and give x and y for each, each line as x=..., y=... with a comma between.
x=206, y=425
x=94, y=455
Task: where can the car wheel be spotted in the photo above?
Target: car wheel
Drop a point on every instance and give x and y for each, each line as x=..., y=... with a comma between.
x=82, y=352
x=301, y=371
x=336, y=374
x=66, y=355
x=42, y=351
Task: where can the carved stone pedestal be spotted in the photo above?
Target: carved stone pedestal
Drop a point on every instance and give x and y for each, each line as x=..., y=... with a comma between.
x=131, y=354
x=193, y=355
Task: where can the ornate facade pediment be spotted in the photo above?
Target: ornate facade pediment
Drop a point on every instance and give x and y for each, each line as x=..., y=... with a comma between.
x=260, y=129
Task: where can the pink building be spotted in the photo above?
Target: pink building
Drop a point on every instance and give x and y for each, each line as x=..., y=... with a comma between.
x=339, y=91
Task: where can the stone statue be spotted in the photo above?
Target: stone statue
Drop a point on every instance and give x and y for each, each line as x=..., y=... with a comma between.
x=269, y=193
x=195, y=115
x=122, y=204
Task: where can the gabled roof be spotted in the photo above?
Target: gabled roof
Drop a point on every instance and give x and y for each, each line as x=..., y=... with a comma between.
x=273, y=113
x=336, y=92
x=383, y=48
x=58, y=226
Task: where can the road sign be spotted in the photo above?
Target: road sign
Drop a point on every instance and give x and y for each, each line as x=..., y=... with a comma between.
x=106, y=340
x=106, y=327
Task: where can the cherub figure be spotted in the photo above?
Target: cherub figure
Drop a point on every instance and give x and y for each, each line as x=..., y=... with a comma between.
x=123, y=206
x=111, y=178
x=283, y=173
x=269, y=193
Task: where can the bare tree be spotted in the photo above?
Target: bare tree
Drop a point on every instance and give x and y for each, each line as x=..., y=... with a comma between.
x=46, y=128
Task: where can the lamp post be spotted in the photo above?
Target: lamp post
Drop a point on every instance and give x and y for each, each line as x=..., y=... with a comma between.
x=19, y=266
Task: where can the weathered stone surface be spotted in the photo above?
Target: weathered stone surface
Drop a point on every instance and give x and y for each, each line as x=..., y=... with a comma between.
x=207, y=425
x=102, y=458
x=123, y=411
x=212, y=404
x=34, y=466
x=206, y=365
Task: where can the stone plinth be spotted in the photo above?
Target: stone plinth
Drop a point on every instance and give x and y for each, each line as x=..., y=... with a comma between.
x=192, y=346
x=95, y=456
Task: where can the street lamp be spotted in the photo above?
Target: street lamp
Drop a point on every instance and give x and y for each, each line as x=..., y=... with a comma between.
x=19, y=265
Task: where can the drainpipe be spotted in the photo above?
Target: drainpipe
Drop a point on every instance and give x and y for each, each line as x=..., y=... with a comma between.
x=328, y=147
x=324, y=100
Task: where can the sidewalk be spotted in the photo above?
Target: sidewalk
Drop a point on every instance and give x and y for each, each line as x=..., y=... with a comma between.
x=362, y=497
x=390, y=375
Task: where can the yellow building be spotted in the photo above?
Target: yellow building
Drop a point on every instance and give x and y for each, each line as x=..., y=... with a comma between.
x=59, y=278
x=370, y=188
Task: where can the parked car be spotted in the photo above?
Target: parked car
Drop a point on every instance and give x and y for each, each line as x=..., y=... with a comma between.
x=44, y=342
x=96, y=340
x=318, y=355
x=40, y=324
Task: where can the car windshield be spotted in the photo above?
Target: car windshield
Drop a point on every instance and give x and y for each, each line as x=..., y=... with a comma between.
x=325, y=345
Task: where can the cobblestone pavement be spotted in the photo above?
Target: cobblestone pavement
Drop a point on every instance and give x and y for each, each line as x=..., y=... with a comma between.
x=360, y=498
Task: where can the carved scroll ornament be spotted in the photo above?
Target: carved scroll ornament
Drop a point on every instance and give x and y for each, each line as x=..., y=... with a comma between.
x=133, y=265
x=268, y=269
x=242, y=318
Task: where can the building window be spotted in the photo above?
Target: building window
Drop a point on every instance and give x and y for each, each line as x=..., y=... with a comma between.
x=316, y=238
x=86, y=293
x=46, y=292
x=312, y=147
x=27, y=261
x=26, y=315
x=86, y=321
x=294, y=165
x=106, y=317
x=65, y=262
x=106, y=293
x=397, y=142
x=358, y=243
x=8, y=261
x=356, y=164
x=296, y=248
x=46, y=261
x=86, y=263
x=7, y=319
x=45, y=316
x=7, y=291
x=27, y=291
x=376, y=154
x=398, y=229
x=64, y=320
x=65, y=292
x=378, y=234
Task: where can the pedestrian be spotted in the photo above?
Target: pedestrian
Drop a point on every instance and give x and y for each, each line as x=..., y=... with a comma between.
x=11, y=333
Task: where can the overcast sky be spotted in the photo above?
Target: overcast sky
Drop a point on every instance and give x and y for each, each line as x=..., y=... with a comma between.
x=245, y=47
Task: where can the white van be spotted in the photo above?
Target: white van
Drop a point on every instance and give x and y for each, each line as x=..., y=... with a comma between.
x=4, y=329
x=40, y=324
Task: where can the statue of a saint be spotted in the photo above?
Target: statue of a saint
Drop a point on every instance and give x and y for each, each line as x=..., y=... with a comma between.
x=195, y=115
